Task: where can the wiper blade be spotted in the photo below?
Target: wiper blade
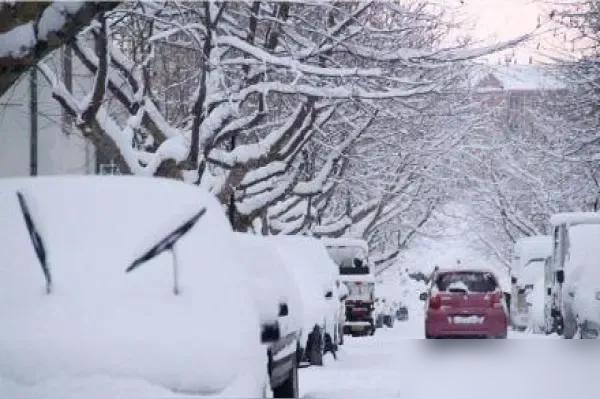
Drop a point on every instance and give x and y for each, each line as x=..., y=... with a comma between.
x=167, y=244
x=36, y=240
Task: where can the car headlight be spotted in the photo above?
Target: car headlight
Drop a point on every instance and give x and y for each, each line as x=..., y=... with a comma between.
x=598, y=295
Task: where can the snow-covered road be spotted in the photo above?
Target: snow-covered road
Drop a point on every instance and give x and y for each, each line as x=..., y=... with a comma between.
x=395, y=364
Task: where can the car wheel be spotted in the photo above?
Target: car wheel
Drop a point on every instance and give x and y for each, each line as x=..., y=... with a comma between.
x=341, y=339
x=570, y=326
x=315, y=349
x=289, y=388
x=586, y=332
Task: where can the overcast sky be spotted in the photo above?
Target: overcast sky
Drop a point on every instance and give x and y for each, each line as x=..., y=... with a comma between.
x=501, y=20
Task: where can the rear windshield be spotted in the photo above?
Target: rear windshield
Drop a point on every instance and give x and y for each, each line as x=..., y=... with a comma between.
x=467, y=281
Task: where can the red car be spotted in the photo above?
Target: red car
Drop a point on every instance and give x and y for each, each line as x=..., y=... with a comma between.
x=465, y=303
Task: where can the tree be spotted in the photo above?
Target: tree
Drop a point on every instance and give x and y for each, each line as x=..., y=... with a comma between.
x=31, y=30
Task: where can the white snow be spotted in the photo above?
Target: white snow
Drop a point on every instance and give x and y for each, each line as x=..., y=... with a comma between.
x=315, y=274
x=18, y=41
x=54, y=17
x=100, y=321
x=272, y=284
x=572, y=218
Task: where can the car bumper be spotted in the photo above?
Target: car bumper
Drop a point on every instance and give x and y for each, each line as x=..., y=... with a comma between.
x=492, y=323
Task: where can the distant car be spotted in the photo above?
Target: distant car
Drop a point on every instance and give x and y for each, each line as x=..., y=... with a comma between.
x=124, y=278
x=465, y=303
x=402, y=313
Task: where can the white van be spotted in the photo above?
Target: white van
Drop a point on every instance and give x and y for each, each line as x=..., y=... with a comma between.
x=575, y=273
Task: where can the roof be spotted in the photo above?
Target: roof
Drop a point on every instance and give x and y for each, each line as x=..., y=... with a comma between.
x=352, y=278
x=346, y=242
x=516, y=78
x=571, y=218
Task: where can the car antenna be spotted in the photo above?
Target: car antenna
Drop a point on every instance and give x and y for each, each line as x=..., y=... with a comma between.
x=168, y=244
x=36, y=240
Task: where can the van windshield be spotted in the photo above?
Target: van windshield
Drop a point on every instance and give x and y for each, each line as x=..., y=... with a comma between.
x=360, y=291
x=467, y=281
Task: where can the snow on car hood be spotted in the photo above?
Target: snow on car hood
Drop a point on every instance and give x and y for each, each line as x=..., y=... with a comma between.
x=98, y=320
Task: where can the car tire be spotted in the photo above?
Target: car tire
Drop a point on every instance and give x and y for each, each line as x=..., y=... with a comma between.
x=315, y=349
x=570, y=326
x=289, y=388
x=341, y=339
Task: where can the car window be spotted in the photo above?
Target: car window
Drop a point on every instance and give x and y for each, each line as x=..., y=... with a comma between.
x=469, y=281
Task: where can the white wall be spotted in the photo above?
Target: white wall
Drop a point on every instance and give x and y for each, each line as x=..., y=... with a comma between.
x=58, y=153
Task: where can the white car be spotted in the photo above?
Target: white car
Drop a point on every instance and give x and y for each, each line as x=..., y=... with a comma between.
x=317, y=276
x=123, y=278
x=280, y=306
x=581, y=292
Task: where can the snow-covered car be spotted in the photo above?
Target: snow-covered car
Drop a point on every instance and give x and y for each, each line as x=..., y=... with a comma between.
x=124, y=278
x=316, y=275
x=465, y=303
x=527, y=268
x=401, y=313
x=575, y=291
x=280, y=306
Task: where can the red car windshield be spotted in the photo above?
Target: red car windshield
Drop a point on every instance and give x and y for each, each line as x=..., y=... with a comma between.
x=477, y=282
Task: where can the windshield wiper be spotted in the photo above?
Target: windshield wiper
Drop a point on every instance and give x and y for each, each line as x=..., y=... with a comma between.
x=36, y=240
x=168, y=244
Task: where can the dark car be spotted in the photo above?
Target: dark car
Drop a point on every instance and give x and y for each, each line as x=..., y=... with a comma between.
x=402, y=313
x=465, y=303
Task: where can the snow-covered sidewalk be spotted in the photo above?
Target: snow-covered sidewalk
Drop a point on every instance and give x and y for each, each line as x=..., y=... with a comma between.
x=394, y=364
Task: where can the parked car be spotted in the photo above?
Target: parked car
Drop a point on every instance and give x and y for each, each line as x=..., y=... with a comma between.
x=316, y=275
x=358, y=284
x=465, y=303
x=402, y=313
x=529, y=255
x=125, y=278
x=280, y=306
x=574, y=292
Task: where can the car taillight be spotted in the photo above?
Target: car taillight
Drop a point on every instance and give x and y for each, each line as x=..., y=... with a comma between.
x=496, y=300
x=435, y=302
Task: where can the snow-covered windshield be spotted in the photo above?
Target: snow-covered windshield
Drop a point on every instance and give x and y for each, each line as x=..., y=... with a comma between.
x=358, y=290
x=467, y=281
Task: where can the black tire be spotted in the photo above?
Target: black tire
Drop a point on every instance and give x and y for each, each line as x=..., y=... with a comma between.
x=315, y=347
x=341, y=340
x=289, y=388
x=570, y=326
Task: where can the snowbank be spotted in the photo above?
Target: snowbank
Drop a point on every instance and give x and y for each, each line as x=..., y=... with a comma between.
x=100, y=321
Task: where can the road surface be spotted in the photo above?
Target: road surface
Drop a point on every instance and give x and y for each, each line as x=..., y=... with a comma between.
x=396, y=363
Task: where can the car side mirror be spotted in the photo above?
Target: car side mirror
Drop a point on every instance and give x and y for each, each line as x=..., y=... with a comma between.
x=343, y=297
x=270, y=333
x=283, y=309
x=423, y=296
x=549, y=291
x=329, y=295
x=560, y=276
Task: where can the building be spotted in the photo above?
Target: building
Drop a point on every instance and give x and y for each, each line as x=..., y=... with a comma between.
x=514, y=92
x=36, y=136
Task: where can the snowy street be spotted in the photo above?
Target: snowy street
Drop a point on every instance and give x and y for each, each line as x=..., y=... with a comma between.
x=394, y=364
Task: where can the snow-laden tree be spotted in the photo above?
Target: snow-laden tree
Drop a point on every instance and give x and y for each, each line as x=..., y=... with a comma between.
x=319, y=118
x=31, y=30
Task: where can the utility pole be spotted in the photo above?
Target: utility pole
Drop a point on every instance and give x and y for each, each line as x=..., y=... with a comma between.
x=33, y=114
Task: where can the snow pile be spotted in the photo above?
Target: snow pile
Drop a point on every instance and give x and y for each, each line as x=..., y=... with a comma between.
x=315, y=274
x=100, y=321
x=271, y=282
